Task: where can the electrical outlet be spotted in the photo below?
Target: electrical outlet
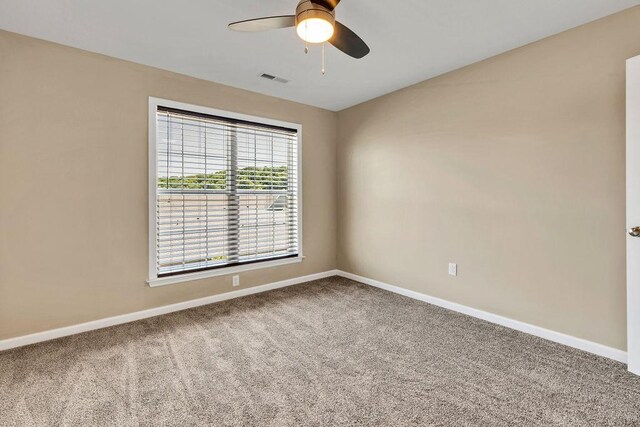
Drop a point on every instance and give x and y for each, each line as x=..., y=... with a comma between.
x=453, y=269
x=236, y=280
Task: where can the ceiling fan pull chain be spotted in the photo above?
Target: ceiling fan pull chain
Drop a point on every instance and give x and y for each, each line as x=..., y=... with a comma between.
x=306, y=43
x=323, y=58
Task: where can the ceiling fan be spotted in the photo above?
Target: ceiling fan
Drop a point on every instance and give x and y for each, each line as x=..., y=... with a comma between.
x=315, y=22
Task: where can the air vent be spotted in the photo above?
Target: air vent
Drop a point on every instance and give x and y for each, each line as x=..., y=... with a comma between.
x=273, y=78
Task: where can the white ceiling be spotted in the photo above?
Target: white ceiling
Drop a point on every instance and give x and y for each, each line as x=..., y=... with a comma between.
x=410, y=40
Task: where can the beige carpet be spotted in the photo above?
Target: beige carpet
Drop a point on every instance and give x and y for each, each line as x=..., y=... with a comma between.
x=331, y=352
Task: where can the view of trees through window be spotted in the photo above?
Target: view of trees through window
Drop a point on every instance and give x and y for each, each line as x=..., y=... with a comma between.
x=249, y=178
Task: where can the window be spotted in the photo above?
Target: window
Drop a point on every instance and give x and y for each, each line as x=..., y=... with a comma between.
x=224, y=192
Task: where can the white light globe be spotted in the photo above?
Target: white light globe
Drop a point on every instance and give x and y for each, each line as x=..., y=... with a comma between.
x=315, y=30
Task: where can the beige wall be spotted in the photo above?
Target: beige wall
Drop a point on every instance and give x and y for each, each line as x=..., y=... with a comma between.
x=515, y=169
x=512, y=167
x=73, y=184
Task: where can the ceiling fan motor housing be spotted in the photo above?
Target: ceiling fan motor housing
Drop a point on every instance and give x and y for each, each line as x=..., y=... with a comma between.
x=308, y=10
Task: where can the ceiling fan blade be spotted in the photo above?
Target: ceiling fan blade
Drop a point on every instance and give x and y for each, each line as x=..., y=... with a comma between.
x=263, y=24
x=349, y=42
x=327, y=4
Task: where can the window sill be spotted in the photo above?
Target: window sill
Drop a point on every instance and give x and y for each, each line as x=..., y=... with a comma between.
x=188, y=277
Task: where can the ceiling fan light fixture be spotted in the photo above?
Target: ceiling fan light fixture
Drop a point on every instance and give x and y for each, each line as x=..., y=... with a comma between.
x=315, y=30
x=314, y=23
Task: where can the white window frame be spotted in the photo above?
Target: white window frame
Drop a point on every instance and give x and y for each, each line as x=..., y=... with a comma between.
x=154, y=280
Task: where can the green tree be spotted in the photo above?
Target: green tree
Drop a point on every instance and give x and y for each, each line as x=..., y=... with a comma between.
x=249, y=178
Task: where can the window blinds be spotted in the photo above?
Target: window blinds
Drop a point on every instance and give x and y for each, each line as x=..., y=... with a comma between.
x=227, y=192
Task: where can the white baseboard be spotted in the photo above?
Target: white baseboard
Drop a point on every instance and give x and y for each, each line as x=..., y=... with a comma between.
x=152, y=312
x=579, y=343
x=568, y=340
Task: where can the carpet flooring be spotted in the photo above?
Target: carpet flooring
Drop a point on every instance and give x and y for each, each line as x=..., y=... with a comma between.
x=326, y=353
